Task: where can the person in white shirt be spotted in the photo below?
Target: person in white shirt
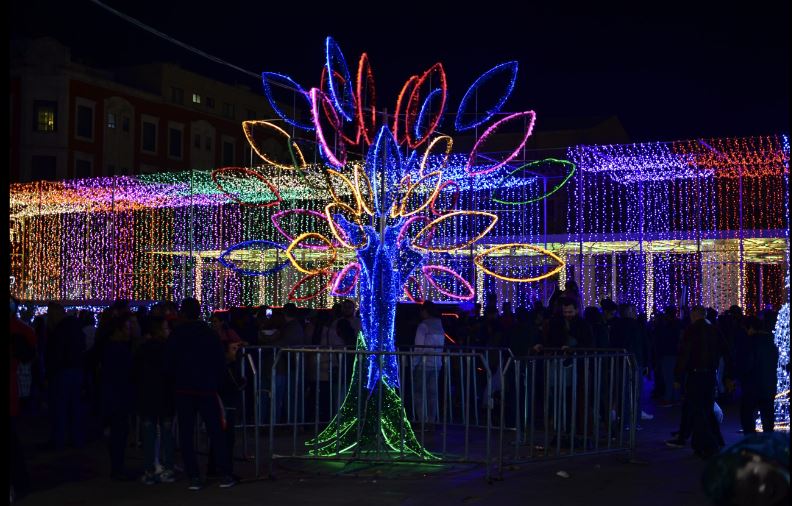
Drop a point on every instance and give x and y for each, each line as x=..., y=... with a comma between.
x=429, y=338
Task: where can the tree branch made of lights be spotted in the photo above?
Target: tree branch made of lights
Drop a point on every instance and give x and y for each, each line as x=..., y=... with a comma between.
x=385, y=210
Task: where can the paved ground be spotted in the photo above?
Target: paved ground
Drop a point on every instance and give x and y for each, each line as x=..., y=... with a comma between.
x=661, y=476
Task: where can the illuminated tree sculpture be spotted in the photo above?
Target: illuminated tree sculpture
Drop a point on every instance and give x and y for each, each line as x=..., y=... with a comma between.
x=385, y=212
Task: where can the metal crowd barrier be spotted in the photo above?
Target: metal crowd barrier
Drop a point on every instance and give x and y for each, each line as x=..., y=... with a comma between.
x=564, y=403
x=560, y=403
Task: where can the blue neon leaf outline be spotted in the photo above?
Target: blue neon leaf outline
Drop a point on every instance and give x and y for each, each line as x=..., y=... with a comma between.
x=346, y=110
x=393, y=173
x=424, y=110
x=247, y=272
x=266, y=77
x=510, y=66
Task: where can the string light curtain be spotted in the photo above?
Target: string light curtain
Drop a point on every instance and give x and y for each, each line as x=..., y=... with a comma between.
x=685, y=222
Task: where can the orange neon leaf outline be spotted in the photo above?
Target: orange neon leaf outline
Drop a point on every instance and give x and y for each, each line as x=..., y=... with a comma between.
x=336, y=234
x=408, y=86
x=329, y=174
x=432, y=196
x=247, y=128
x=367, y=205
x=432, y=224
x=330, y=249
x=412, y=104
x=478, y=262
x=425, y=157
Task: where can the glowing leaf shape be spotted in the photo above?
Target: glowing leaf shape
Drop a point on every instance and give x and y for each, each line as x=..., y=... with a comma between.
x=345, y=226
x=445, y=200
x=343, y=190
x=534, y=190
x=421, y=194
x=536, y=270
x=400, y=114
x=412, y=227
x=455, y=230
x=422, y=124
x=322, y=258
x=413, y=290
x=335, y=155
x=271, y=80
x=350, y=138
x=251, y=253
x=436, y=76
x=384, y=170
x=444, y=280
x=443, y=142
x=246, y=186
x=342, y=94
x=310, y=287
x=517, y=118
x=500, y=80
x=364, y=190
x=345, y=281
x=303, y=219
x=366, y=103
x=273, y=144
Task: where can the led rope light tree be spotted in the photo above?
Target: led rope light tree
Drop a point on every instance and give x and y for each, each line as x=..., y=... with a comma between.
x=386, y=211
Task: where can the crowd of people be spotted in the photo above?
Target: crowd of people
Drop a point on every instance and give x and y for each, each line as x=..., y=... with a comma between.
x=166, y=364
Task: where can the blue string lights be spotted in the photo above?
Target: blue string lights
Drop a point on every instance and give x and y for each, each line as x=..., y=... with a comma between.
x=506, y=73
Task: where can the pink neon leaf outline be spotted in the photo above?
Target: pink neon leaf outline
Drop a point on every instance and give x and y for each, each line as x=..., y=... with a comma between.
x=317, y=95
x=340, y=276
x=428, y=269
x=488, y=132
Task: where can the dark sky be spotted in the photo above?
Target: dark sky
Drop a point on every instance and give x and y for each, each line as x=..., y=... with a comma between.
x=678, y=71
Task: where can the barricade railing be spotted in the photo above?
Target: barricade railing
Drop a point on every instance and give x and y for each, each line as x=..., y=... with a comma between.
x=436, y=390
x=568, y=402
x=559, y=403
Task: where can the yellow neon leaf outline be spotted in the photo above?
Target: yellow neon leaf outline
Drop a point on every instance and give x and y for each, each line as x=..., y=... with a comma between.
x=333, y=228
x=300, y=238
x=367, y=207
x=355, y=192
x=406, y=199
x=434, y=222
x=449, y=147
x=247, y=129
x=478, y=262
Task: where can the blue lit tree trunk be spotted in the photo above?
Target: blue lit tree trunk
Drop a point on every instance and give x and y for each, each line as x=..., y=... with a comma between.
x=372, y=416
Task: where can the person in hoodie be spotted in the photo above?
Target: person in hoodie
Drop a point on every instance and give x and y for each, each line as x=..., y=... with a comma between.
x=429, y=338
x=758, y=377
x=195, y=361
x=155, y=400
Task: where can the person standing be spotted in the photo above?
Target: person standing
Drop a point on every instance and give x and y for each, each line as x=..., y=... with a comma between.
x=195, y=361
x=429, y=338
x=155, y=400
x=667, y=334
x=22, y=350
x=758, y=378
x=701, y=350
x=230, y=390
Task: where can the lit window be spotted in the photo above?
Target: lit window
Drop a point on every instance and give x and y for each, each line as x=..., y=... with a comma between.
x=196, y=98
x=111, y=120
x=44, y=118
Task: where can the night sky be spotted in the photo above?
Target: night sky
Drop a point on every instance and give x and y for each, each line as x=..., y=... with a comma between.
x=680, y=71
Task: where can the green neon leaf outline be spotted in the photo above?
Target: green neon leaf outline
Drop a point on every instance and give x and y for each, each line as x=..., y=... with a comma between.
x=555, y=189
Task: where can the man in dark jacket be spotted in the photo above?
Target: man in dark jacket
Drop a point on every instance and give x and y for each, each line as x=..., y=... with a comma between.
x=758, y=378
x=701, y=350
x=195, y=360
